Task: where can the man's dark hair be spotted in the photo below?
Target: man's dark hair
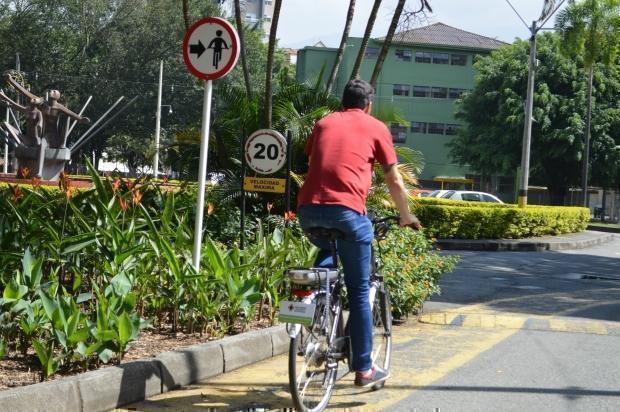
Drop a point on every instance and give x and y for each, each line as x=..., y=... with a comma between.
x=357, y=94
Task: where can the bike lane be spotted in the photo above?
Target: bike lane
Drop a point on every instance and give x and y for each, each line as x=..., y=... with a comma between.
x=422, y=354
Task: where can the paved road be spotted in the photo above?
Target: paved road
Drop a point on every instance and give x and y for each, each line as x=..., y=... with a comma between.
x=511, y=331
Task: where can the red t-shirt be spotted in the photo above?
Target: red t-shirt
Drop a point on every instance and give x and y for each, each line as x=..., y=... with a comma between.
x=343, y=148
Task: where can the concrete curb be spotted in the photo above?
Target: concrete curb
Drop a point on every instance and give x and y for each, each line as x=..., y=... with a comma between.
x=528, y=245
x=108, y=388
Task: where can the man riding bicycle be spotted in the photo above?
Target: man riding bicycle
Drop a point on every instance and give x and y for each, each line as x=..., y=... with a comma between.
x=342, y=150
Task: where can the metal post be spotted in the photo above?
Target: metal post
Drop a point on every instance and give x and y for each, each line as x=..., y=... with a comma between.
x=243, y=168
x=287, y=200
x=202, y=173
x=158, y=120
x=5, y=166
x=527, y=126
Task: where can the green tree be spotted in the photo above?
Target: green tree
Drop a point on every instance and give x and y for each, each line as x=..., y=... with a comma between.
x=590, y=29
x=493, y=112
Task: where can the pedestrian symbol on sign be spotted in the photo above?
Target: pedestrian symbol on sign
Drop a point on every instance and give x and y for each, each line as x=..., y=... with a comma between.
x=217, y=45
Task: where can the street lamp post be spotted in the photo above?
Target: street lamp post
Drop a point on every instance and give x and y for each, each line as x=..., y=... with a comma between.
x=158, y=120
x=548, y=10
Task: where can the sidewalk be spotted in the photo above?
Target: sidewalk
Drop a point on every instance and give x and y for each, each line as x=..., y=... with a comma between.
x=108, y=388
x=579, y=240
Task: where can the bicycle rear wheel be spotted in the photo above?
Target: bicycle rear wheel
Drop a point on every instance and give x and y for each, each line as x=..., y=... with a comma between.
x=311, y=380
x=381, y=332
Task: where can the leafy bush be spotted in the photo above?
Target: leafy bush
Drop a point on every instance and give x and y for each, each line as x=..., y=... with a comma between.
x=473, y=220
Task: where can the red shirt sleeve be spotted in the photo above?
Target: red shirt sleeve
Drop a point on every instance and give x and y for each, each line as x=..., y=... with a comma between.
x=384, y=147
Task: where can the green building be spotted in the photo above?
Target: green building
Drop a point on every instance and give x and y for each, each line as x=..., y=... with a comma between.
x=425, y=71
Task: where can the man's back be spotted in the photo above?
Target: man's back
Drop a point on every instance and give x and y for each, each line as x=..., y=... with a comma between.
x=342, y=150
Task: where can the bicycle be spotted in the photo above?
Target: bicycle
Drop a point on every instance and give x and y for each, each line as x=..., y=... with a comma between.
x=316, y=323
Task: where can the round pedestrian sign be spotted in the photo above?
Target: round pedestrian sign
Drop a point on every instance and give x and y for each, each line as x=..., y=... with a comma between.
x=265, y=151
x=211, y=48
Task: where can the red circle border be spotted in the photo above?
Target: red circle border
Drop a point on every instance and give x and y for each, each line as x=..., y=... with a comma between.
x=235, y=48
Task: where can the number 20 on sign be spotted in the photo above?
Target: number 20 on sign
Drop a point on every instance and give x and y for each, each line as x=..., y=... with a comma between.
x=265, y=151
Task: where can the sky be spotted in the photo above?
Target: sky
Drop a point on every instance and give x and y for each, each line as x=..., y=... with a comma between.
x=305, y=22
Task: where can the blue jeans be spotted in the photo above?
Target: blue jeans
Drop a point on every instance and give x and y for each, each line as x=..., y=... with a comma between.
x=354, y=253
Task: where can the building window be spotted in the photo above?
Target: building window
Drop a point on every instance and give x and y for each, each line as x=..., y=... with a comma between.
x=436, y=128
x=268, y=2
x=401, y=90
x=458, y=60
x=422, y=57
x=250, y=17
x=418, y=127
x=399, y=133
x=452, y=129
x=267, y=17
x=441, y=58
x=455, y=93
x=371, y=52
x=439, y=92
x=404, y=55
x=421, y=91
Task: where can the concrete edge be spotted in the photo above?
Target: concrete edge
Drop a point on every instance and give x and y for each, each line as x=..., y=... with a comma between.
x=115, y=386
x=516, y=245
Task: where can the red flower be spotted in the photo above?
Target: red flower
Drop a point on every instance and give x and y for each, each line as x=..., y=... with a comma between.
x=210, y=209
x=289, y=216
x=36, y=182
x=129, y=184
x=24, y=172
x=269, y=207
x=123, y=204
x=137, y=196
x=115, y=185
x=16, y=193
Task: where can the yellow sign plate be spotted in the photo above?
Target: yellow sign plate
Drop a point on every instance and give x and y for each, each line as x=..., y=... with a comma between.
x=264, y=184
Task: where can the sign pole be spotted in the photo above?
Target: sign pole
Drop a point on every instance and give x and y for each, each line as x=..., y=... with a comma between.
x=243, y=167
x=202, y=173
x=287, y=199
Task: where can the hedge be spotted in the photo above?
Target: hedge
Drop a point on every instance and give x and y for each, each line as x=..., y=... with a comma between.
x=472, y=220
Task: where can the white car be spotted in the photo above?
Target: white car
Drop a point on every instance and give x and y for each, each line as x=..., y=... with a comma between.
x=468, y=195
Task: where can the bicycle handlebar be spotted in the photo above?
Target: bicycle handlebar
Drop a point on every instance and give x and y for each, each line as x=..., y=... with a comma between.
x=381, y=225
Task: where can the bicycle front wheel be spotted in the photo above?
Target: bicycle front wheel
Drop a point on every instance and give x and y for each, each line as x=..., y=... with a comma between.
x=381, y=332
x=311, y=378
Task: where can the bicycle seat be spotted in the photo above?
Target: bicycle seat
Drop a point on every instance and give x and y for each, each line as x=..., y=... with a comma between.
x=324, y=233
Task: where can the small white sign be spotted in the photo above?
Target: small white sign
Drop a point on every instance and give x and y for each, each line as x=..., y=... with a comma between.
x=296, y=312
x=265, y=151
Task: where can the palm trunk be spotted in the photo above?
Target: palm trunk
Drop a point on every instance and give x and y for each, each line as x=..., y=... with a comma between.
x=387, y=43
x=186, y=14
x=269, y=75
x=343, y=45
x=244, y=63
x=362, y=51
x=586, y=150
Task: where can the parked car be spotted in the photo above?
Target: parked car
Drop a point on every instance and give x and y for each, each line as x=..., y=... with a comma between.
x=468, y=195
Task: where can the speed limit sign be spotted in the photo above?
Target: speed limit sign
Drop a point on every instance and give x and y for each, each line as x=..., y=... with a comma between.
x=265, y=151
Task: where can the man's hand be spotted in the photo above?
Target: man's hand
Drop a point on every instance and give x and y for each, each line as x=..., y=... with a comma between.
x=410, y=220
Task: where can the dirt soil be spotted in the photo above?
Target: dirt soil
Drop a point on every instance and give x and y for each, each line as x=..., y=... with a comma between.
x=19, y=370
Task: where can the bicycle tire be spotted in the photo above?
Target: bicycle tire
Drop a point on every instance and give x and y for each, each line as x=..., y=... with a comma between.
x=311, y=381
x=381, y=332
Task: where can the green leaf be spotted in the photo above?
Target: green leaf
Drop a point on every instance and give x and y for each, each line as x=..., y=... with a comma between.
x=121, y=284
x=125, y=329
x=77, y=243
x=83, y=297
x=48, y=304
x=105, y=355
x=2, y=349
x=41, y=352
x=14, y=291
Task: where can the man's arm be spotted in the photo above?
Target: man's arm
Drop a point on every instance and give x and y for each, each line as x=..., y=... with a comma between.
x=395, y=184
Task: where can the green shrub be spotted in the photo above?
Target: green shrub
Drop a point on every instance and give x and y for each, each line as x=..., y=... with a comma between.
x=472, y=220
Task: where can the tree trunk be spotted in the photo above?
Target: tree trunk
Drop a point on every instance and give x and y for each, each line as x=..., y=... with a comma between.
x=186, y=14
x=244, y=63
x=362, y=51
x=269, y=75
x=586, y=150
x=387, y=43
x=343, y=45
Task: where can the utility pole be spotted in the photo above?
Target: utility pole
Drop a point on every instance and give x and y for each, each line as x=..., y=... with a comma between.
x=549, y=9
x=527, y=126
x=158, y=120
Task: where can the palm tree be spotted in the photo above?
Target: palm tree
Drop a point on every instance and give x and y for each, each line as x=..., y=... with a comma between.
x=244, y=63
x=343, y=44
x=186, y=17
x=590, y=29
x=270, y=51
x=362, y=51
x=390, y=35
